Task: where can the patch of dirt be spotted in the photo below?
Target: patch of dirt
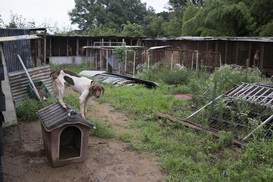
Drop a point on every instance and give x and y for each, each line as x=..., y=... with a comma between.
x=107, y=159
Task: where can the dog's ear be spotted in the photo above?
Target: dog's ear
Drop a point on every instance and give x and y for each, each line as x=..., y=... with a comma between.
x=102, y=89
x=90, y=90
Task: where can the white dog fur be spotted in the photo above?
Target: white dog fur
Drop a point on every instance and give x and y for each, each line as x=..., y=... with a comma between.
x=82, y=85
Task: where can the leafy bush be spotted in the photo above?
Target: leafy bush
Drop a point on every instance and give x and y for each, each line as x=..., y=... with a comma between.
x=26, y=111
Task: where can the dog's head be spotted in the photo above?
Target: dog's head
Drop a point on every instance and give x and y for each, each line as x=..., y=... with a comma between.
x=96, y=89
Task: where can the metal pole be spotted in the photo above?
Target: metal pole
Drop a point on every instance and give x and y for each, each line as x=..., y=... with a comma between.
x=266, y=121
x=125, y=64
x=107, y=60
x=148, y=61
x=134, y=64
x=29, y=77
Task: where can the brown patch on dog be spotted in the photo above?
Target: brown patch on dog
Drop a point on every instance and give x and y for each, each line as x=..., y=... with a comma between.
x=56, y=73
x=71, y=73
x=69, y=80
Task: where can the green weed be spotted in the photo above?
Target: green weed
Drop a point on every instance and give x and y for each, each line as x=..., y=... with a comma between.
x=103, y=129
x=125, y=136
x=26, y=111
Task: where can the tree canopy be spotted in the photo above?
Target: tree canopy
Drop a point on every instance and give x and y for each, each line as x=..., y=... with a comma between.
x=181, y=18
x=110, y=13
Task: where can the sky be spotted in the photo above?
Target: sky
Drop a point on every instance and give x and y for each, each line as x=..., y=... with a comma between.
x=52, y=12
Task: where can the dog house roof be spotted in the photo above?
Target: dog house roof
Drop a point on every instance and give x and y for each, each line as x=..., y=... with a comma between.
x=55, y=116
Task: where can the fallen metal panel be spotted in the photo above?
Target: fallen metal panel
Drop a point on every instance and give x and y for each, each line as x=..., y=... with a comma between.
x=19, y=81
x=117, y=79
x=242, y=110
x=194, y=126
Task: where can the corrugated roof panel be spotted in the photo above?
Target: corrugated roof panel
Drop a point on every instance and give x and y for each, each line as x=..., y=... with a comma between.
x=19, y=81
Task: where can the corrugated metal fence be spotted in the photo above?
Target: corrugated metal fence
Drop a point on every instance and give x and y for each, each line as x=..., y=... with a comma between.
x=19, y=81
x=13, y=48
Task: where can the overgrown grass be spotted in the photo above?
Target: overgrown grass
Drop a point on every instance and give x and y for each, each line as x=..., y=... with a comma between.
x=75, y=68
x=103, y=129
x=183, y=153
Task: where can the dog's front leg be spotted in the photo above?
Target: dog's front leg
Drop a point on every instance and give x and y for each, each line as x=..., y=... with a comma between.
x=82, y=104
x=85, y=105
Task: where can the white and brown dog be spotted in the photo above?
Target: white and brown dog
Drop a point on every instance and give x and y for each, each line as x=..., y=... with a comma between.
x=82, y=85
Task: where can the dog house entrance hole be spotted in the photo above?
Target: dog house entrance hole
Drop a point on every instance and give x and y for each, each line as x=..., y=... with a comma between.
x=70, y=143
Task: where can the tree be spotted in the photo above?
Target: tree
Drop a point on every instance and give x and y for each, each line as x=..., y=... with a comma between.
x=220, y=18
x=262, y=13
x=111, y=13
x=154, y=25
x=133, y=30
x=17, y=21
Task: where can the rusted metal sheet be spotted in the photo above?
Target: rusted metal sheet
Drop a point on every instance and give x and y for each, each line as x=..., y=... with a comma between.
x=19, y=81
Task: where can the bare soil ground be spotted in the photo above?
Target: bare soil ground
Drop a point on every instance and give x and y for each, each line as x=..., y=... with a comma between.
x=107, y=159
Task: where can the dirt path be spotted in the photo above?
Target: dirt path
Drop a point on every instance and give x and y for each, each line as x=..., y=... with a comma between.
x=107, y=159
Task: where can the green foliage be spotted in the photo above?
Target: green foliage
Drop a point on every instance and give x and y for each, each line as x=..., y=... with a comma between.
x=76, y=69
x=154, y=25
x=125, y=136
x=26, y=111
x=120, y=53
x=72, y=100
x=221, y=17
x=133, y=30
x=103, y=129
x=108, y=13
x=183, y=153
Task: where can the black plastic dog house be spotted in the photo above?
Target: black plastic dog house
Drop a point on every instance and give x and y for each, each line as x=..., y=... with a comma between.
x=65, y=135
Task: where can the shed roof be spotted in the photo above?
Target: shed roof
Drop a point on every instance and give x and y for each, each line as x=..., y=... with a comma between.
x=193, y=38
x=55, y=116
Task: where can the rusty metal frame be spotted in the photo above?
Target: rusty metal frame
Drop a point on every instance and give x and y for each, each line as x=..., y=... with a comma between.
x=259, y=97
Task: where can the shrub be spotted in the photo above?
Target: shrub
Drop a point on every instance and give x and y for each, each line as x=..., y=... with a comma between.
x=26, y=111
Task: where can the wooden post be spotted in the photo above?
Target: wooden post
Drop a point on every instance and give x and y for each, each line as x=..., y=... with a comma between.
x=226, y=52
x=249, y=53
x=77, y=47
x=237, y=50
x=44, y=47
x=262, y=58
